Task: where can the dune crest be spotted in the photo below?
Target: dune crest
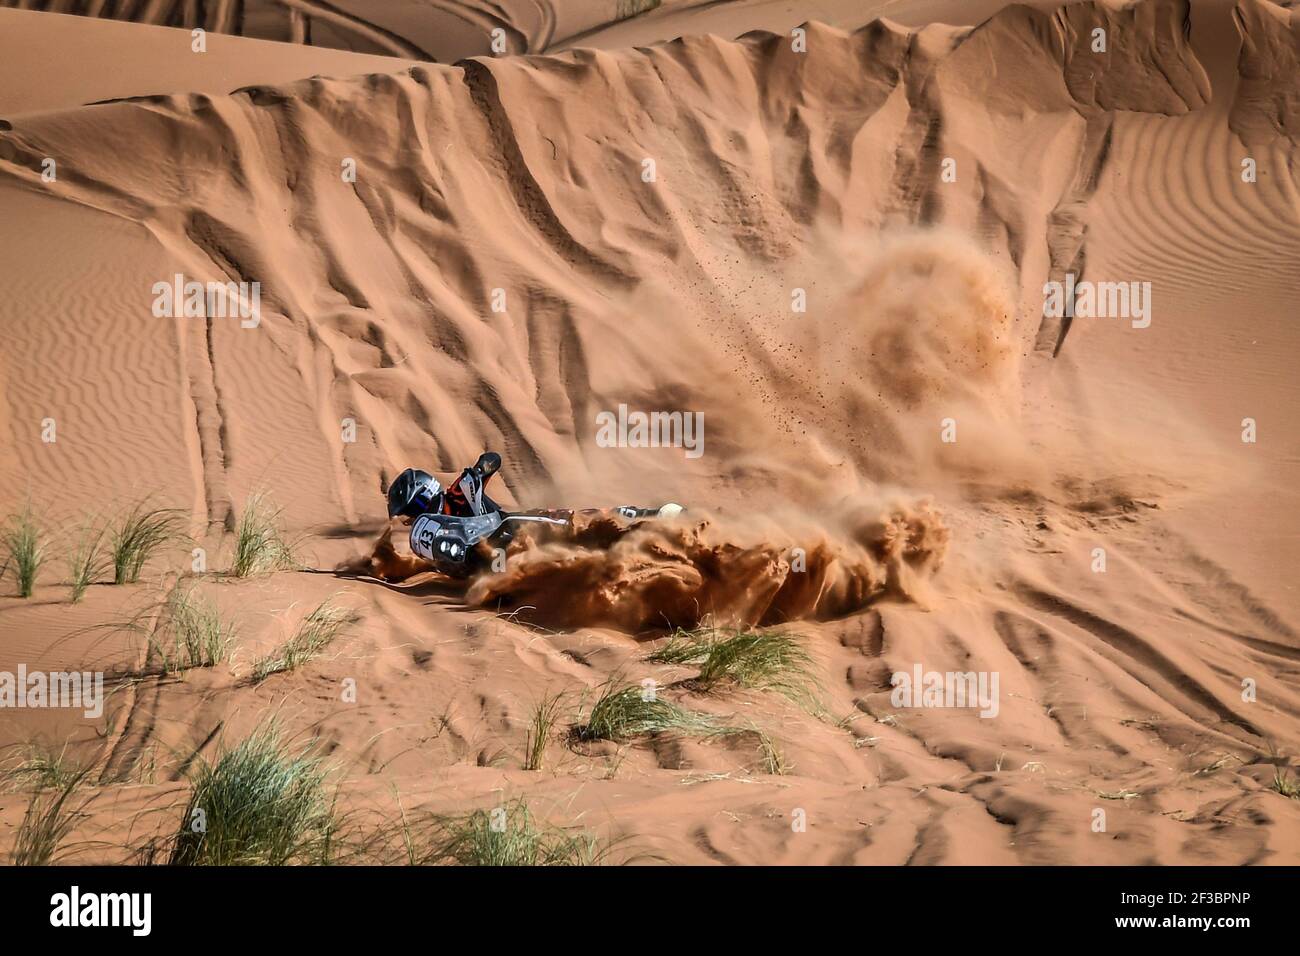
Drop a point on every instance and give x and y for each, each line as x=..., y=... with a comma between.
x=733, y=570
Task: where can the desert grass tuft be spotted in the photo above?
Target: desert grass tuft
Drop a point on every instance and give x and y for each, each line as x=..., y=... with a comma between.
x=622, y=713
x=260, y=544
x=504, y=836
x=316, y=632
x=24, y=551
x=541, y=728
x=264, y=802
x=88, y=560
x=141, y=534
x=190, y=633
x=758, y=660
x=1283, y=784
x=773, y=757
x=42, y=768
x=47, y=822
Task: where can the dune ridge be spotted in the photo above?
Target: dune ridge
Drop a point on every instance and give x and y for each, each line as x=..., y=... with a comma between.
x=432, y=30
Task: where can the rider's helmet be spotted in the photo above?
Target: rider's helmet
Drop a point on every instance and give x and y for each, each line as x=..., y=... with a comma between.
x=412, y=493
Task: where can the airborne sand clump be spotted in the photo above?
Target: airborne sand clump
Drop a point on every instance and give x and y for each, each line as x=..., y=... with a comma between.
x=922, y=378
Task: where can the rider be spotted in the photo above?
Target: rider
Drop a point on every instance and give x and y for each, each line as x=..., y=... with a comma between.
x=416, y=492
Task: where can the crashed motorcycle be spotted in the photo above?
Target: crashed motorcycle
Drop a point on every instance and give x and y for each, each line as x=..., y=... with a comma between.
x=459, y=529
x=460, y=546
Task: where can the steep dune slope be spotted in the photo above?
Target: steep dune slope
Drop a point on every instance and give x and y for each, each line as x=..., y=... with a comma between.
x=757, y=183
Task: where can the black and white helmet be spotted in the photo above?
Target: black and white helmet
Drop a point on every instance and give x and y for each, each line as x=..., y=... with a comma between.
x=412, y=493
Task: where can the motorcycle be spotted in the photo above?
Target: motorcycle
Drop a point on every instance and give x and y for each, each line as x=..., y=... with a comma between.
x=451, y=543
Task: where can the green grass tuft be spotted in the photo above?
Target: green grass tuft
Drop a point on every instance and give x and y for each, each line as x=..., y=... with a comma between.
x=541, y=728
x=25, y=553
x=260, y=545
x=138, y=537
x=48, y=820
x=758, y=660
x=774, y=760
x=41, y=768
x=88, y=561
x=190, y=633
x=1283, y=784
x=504, y=836
x=316, y=632
x=622, y=713
x=261, y=803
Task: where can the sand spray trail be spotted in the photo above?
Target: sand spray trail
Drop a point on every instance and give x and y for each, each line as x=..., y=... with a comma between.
x=732, y=569
x=754, y=569
x=923, y=332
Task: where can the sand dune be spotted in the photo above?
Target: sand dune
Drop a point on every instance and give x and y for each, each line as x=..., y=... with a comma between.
x=831, y=256
x=432, y=30
x=444, y=31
